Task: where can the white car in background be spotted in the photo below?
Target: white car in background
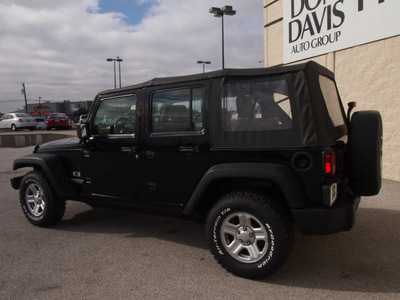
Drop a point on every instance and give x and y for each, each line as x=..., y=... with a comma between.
x=17, y=121
x=82, y=119
x=40, y=123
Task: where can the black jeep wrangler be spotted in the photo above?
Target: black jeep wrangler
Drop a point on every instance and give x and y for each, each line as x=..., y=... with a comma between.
x=254, y=151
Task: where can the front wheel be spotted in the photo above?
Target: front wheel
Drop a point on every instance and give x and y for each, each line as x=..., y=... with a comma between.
x=38, y=202
x=249, y=234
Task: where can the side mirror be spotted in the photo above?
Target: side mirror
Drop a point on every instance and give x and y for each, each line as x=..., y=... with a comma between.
x=82, y=131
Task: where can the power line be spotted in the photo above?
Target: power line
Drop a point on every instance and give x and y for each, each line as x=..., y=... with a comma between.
x=36, y=100
x=5, y=101
x=53, y=83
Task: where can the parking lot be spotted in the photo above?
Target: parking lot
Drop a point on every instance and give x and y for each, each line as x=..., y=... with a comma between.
x=114, y=254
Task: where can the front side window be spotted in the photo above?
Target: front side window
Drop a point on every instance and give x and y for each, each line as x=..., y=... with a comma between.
x=179, y=110
x=258, y=105
x=116, y=116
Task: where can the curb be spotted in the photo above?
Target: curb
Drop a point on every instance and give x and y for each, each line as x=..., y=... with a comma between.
x=19, y=140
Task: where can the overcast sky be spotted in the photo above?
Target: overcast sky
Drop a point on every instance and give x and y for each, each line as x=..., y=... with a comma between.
x=58, y=48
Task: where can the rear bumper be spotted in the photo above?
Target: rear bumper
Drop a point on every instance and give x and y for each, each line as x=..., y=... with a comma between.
x=322, y=220
x=57, y=124
x=26, y=126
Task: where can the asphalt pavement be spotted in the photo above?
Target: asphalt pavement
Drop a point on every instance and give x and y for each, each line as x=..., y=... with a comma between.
x=116, y=254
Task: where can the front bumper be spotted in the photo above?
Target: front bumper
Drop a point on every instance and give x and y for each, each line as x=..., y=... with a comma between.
x=322, y=220
x=16, y=182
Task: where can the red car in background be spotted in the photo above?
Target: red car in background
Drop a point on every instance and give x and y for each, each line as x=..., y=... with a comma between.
x=57, y=120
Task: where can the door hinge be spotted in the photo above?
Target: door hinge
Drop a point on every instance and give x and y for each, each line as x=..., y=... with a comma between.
x=86, y=153
x=152, y=186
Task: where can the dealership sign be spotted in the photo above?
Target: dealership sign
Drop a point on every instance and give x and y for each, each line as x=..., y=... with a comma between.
x=316, y=27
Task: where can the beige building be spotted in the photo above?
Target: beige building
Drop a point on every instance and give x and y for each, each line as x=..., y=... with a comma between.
x=368, y=73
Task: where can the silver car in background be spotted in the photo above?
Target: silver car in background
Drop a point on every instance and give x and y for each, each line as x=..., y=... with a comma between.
x=40, y=123
x=17, y=121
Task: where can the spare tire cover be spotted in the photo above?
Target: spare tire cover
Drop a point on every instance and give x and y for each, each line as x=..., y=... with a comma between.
x=366, y=153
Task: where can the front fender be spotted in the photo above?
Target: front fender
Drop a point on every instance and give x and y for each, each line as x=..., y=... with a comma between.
x=52, y=168
x=283, y=176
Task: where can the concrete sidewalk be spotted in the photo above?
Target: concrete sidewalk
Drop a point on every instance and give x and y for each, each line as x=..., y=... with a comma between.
x=7, y=156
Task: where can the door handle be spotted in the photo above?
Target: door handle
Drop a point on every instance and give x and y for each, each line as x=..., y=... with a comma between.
x=149, y=154
x=129, y=150
x=188, y=149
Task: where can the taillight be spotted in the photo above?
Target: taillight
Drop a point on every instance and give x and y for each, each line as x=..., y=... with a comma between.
x=329, y=161
x=20, y=120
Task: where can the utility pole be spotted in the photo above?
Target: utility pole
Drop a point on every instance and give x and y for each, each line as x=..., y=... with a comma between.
x=24, y=92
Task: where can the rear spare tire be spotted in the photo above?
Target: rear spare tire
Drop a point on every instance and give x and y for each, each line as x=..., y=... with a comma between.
x=366, y=152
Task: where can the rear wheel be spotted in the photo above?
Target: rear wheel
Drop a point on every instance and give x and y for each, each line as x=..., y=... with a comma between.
x=38, y=201
x=13, y=127
x=249, y=234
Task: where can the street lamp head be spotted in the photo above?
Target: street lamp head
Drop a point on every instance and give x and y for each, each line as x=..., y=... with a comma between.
x=227, y=10
x=115, y=59
x=216, y=11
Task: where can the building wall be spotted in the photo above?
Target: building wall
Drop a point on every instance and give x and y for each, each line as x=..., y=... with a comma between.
x=66, y=107
x=368, y=74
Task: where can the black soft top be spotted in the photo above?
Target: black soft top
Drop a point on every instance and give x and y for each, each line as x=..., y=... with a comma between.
x=312, y=125
x=306, y=67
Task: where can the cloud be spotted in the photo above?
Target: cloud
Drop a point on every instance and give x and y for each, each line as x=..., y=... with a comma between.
x=59, y=48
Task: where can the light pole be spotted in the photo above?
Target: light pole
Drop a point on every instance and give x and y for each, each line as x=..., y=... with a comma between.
x=119, y=70
x=220, y=12
x=40, y=107
x=204, y=63
x=24, y=93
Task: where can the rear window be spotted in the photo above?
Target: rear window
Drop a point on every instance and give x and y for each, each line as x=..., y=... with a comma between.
x=256, y=105
x=332, y=100
x=57, y=116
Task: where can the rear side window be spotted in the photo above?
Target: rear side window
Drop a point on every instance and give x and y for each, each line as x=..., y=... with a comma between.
x=179, y=110
x=256, y=105
x=332, y=100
